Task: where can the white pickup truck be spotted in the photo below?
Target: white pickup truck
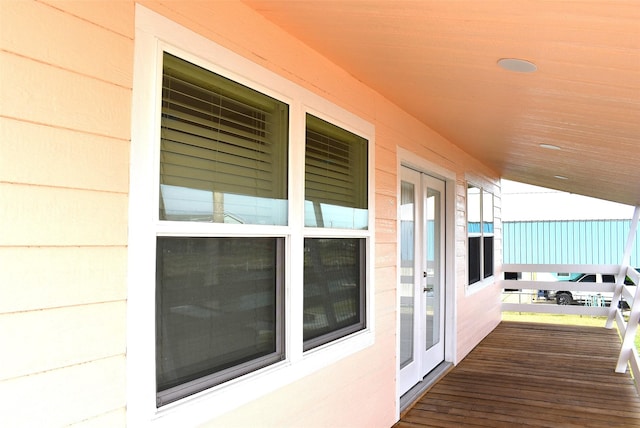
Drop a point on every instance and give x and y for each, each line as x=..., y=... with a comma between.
x=586, y=297
x=592, y=298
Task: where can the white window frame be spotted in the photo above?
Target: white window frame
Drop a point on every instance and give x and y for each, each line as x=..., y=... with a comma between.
x=154, y=35
x=482, y=282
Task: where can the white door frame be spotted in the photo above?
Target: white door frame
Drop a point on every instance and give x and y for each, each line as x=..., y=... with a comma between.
x=409, y=159
x=424, y=356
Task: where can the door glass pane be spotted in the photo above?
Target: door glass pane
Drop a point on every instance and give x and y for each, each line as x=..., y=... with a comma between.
x=432, y=294
x=407, y=271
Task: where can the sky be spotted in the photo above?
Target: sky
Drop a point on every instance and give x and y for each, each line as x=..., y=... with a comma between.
x=522, y=202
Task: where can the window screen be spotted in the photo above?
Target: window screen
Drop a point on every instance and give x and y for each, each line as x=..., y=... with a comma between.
x=219, y=311
x=474, y=259
x=334, y=288
x=223, y=149
x=488, y=256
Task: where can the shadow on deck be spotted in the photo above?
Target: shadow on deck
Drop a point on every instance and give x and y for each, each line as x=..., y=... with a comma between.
x=534, y=375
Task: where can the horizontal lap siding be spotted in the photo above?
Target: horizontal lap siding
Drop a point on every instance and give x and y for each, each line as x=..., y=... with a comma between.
x=54, y=216
x=70, y=335
x=64, y=155
x=34, y=268
x=72, y=394
x=478, y=308
x=82, y=161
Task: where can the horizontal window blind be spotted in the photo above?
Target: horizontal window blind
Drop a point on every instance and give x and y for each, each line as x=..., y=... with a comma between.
x=220, y=136
x=335, y=165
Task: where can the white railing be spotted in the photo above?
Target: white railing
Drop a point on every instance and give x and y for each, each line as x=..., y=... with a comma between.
x=627, y=329
x=555, y=285
x=616, y=292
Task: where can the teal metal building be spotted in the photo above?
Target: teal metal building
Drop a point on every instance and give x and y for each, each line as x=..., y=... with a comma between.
x=568, y=242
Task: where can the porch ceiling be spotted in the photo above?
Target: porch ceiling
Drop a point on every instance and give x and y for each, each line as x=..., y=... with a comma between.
x=438, y=60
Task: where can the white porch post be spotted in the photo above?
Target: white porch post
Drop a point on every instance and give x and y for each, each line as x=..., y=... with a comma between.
x=626, y=258
x=628, y=352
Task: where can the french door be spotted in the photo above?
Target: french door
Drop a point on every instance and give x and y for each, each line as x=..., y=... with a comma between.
x=422, y=250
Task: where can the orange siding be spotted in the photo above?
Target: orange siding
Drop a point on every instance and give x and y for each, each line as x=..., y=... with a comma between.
x=70, y=43
x=64, y=131
x=82, y=161
x=66, y=67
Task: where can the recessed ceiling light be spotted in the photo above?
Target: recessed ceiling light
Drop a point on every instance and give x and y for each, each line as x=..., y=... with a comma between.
x=517, y=65
x=550, y=147
x=561, y=177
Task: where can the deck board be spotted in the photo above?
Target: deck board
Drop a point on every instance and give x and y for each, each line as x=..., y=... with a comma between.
x=533, y=375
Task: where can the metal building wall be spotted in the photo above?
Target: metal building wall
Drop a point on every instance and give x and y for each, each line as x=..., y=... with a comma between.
x=568, y=241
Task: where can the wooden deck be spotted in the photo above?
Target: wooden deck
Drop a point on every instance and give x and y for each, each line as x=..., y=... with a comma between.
x=533, y=375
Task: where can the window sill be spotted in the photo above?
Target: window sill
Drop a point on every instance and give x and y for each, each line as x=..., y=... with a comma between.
x=480, y=285
x=216, y=401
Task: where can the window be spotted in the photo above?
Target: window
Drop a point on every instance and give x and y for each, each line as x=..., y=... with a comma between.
x=335, y=197
x=480, y=233
x=219, y=311
x=223, y=149
x=219, y=300
x=335, y=177
x=250, y=230
x=223, y=237
x=334, y=283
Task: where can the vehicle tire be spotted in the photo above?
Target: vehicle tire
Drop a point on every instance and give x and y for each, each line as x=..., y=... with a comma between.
x=564, y=299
